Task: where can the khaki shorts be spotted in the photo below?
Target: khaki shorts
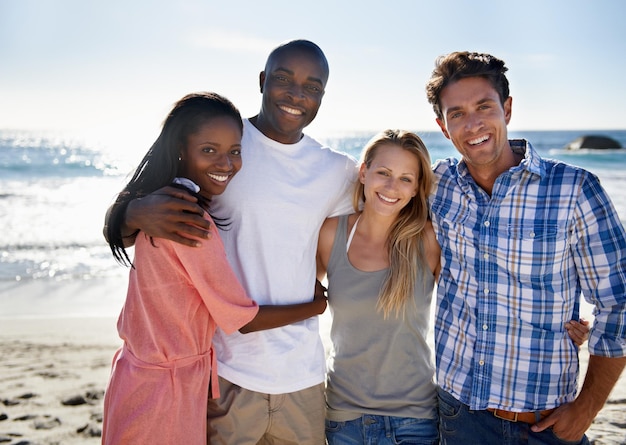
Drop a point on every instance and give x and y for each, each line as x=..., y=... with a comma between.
x=246, y=417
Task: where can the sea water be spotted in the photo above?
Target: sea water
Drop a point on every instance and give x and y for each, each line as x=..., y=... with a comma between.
x=54, y=192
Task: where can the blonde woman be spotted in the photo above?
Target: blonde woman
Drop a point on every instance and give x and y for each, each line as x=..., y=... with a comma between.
x=381, y=264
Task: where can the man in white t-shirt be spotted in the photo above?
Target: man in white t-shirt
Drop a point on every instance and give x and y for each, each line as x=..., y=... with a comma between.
x=271, y=382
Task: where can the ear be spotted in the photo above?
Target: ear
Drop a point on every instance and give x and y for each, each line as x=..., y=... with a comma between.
x=261, y=80
x=442, y=125
x=362, y=170
x=508, y=105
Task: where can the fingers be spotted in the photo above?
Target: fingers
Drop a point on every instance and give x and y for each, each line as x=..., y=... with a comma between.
x=178, y=201
x=189, y=224
x=581, y=327
x=544, y=423
x=191, y=233
x=565, y=424
x=176, y=193
x=320, y=297
x=578, y=331
x=319, y=287
x=576, y=335
x=185, y=241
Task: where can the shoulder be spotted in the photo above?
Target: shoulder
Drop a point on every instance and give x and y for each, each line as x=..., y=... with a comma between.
x=328, y=230
x=325, y=243
x=327, y=153
x=446, y=176
x=443, y=167
x=559, y=173
x=340, y=158
x=432, y=249
x=338, y=169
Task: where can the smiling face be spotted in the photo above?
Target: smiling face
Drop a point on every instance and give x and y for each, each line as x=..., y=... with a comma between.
x=390, y=181
x=293, y=86
x=212, y=155
x=475, y=120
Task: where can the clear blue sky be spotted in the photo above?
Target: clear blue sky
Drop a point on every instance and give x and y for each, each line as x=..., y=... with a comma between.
x=116, y=66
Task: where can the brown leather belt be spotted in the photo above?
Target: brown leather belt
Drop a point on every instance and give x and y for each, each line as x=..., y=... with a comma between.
x=527, y=417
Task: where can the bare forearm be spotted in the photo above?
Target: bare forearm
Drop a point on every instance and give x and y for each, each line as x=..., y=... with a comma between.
x=602, y=375
x=270, y=317
x=129, y=227
x=127, y=232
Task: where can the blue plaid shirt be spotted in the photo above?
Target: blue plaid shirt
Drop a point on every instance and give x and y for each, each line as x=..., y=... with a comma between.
x=513, y=269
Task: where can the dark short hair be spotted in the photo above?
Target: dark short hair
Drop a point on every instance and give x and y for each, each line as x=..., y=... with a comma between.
x=300, y=45
x=462, y=64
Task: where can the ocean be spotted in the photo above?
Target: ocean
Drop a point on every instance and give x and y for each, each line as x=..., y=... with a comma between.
x=54, y=192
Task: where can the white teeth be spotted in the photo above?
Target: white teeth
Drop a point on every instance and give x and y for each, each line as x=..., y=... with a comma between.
x=291, y=110
x=386, y=199
x=478, y=140
x=220, y=178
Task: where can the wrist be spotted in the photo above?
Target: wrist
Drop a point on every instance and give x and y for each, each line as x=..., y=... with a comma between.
x=129, y=226
x=128, y=232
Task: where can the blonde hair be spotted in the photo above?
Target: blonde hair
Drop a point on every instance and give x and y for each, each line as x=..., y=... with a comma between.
x=404, y=242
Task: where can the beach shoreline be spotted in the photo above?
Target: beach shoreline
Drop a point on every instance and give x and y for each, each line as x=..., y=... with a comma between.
x=57, y=340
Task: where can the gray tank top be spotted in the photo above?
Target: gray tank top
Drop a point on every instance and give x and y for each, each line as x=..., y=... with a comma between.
x=376, y=366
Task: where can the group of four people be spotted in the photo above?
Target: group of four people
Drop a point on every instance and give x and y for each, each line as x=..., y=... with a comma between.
x=511, y=240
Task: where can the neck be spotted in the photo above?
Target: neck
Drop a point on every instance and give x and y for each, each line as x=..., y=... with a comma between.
x=375, y=226
x=485, y=176
x=265, y=127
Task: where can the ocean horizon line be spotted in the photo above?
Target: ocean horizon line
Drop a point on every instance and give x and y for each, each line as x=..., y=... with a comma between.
x=347, y=132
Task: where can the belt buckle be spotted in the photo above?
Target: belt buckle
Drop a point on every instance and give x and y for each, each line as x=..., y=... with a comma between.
x=514, y=419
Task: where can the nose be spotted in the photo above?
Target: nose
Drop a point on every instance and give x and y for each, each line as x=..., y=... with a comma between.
x=224, y=163
x=473, y=122
x=295, y=91
x=392, y=184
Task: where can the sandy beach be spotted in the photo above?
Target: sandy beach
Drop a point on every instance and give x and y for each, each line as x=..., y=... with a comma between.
x=54, y=367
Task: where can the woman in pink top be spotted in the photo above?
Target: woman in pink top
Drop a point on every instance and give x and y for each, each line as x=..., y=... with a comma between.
x=178, y=295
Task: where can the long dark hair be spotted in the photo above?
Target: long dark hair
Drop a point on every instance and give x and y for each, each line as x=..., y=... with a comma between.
x=160, y=165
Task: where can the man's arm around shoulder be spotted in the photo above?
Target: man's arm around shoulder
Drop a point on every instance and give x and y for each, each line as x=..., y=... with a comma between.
x=168, y=213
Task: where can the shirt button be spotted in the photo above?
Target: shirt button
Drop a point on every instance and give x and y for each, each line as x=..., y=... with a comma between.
x=485, y=327
x=485, y=255
x=487, y=223
x=486, y=291
x=481, y=363
x=531, y=234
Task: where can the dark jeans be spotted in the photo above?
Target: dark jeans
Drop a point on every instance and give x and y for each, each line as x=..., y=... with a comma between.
x=460, y=425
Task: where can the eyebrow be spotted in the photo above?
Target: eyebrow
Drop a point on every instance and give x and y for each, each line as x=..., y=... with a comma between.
x=486, y=99
x=290, y=72
x=217, y=144
x=452, y=110
x=479, y=102
x=406, y=173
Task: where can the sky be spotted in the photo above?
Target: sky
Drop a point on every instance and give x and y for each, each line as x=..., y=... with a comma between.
x=114, y=68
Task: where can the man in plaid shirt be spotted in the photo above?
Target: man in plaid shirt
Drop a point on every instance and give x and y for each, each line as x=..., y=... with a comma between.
x=522, y=238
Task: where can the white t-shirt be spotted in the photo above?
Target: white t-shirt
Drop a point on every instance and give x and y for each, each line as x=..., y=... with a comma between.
x=276, y=205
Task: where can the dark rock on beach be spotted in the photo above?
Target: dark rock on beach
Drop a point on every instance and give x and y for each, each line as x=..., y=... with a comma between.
x=594, y=142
